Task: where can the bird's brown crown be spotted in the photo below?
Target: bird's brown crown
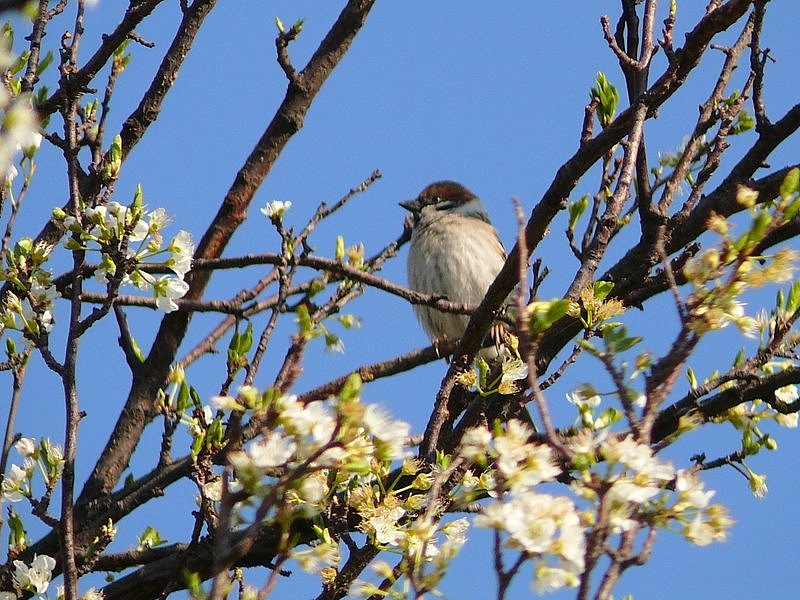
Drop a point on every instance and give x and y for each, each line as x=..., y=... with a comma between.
x=451, y=192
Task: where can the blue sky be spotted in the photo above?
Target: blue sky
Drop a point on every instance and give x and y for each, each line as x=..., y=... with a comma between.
x=489, y=94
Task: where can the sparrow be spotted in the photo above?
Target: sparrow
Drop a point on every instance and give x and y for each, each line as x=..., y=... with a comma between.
x=455, y=252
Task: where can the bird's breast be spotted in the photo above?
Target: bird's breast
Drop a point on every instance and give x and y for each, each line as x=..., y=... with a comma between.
x=455, y=256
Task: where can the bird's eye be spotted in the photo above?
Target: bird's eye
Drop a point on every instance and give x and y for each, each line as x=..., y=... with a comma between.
x=443, y=204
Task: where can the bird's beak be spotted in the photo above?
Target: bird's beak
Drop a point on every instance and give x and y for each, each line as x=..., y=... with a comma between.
x=412, y=206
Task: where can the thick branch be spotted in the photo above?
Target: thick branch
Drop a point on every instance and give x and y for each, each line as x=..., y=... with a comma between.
x=555, y=198
x=139, y=407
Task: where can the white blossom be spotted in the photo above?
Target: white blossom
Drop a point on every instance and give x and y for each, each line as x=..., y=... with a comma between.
x=273, y=450
x=35, y=578
x=10, y=173
x=14, y=484
x=701, y=533
x=25, y=446
x=20, y=128
x=637, y=457
x=225, y=403
x=456, y=531
x=313, y=488
x=690, y=490
x=585, y=398
x=182, y=248
x=475, y=442
x=276, y=208
x=384, y=525
x=167, y=290
x=158, y=219
x=139, y=233
x=789, y=420
x=314, y=419
x=380, y=424
x=758, y=485
x=539, y=524
x=550, y=579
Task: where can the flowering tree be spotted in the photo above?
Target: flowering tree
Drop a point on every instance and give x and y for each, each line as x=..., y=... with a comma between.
x=288, y=474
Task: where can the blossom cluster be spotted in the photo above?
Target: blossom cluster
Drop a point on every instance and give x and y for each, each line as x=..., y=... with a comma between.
x=311, y=451
x=28, y=307
x=547, y=528
x=747, y=418
x=127, y=238
x=46, y=457
x=19, y=124
x=343, y=435
x=34, y=578
x=618, y=485
x=427, y=547
x=721, y=274
x=632, y=486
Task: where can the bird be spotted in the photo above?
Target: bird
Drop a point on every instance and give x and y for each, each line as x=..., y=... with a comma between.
x=455, y=252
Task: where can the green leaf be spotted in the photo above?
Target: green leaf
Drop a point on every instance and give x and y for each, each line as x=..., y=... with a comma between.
x=17, y=533
x=7, y=36
x=616, y=338
x=351, y=388
x=690, y=375
x=589, y=347
x=23, y=247
x=332, y=342
x=304, y=319
x=150, y=538
x=744, y=122
x=318, y=284
x=750, y=446
x=576, y=210
x=198, y=404
x=339, y=252
x=793, y=302
x=443, y=460
x=20, y=62
x=137, y=206
x=755, y=234
x=137, y=352
x=215, y=434
x=349, y=321
x=113, y=158
x=245, y=340
x=740, y=356
x=197, y=445
x=607, y=418
x=608, y=99
x=182, y=402
x=791, y=183
x=119, y=51
x=792, y=209
x=780, y=300
x=602, y=289
x=543, y=314
x=46, y=61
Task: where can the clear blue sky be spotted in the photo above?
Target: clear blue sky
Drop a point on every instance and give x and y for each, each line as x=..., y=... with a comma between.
x=490, y=94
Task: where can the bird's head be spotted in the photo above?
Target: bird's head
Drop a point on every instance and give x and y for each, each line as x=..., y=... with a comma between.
x=446, y=197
